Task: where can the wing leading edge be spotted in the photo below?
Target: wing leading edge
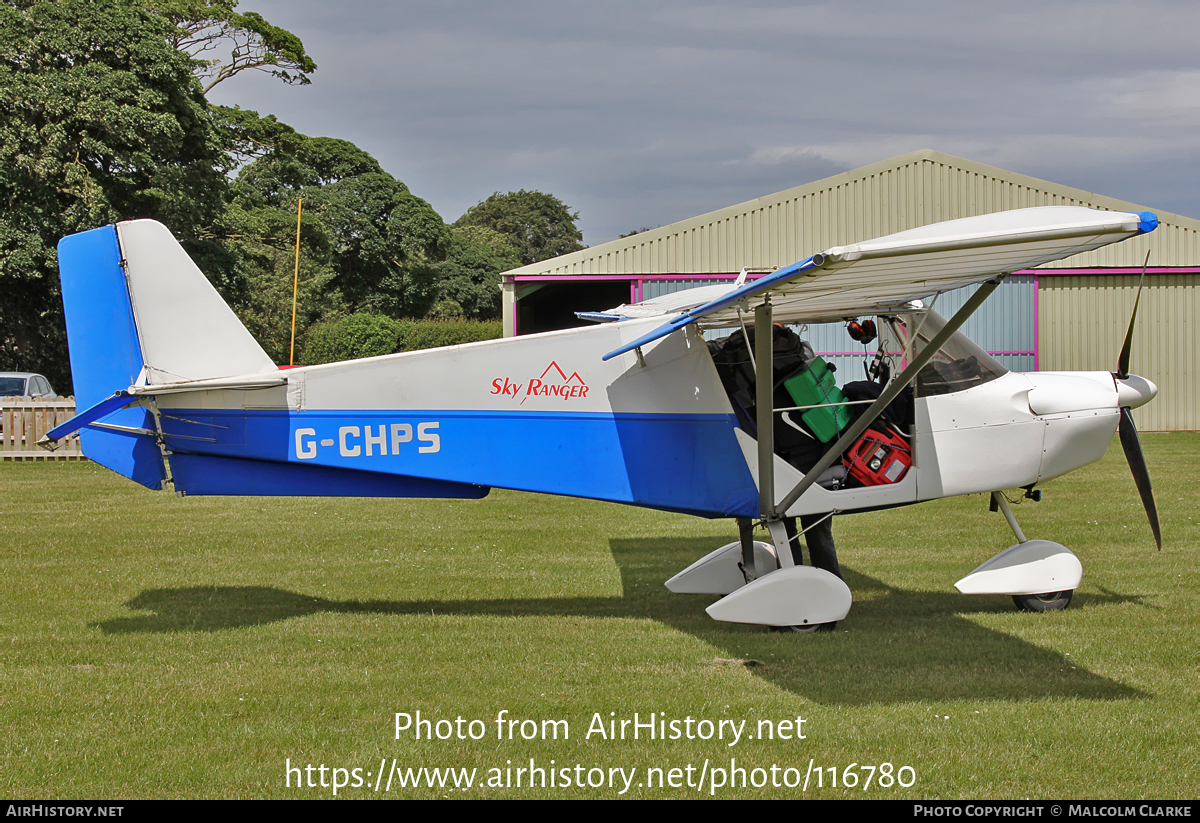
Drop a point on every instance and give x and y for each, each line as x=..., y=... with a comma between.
x=889, y=272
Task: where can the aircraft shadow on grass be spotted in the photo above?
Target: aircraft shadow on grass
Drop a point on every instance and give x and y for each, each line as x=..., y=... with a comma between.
x=899, y=646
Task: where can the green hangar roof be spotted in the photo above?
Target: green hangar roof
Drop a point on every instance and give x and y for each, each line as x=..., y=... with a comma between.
x=893, y=195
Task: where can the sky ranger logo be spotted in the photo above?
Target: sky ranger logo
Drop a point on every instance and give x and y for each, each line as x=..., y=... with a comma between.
x=553, y=382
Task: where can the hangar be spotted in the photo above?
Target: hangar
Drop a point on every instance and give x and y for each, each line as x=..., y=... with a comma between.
x=1067, y=315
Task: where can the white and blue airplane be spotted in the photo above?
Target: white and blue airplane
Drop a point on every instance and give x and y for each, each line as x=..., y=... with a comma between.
x=174, y=393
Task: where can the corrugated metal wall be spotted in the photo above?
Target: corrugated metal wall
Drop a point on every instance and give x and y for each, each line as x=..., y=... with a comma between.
x=909, y=191
x=1082, y=323
x=1004, y=325
x=657, y=288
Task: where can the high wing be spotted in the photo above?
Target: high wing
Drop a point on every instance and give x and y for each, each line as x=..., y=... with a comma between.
x=886, y=273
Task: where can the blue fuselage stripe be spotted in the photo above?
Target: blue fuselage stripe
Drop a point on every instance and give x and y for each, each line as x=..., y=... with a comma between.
x=673, y=461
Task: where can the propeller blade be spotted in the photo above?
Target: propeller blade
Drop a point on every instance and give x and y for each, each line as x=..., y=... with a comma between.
x=1137, y=464
x=1123, y=360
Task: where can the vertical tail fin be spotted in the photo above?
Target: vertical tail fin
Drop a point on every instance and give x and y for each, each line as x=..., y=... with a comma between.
x=187, y=332
x=138, y=311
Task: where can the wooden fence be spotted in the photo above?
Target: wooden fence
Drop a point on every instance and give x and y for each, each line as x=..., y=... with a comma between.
x=26, y=419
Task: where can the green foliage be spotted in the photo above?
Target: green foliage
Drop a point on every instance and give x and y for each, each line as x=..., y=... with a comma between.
x=267, y=309
x=244, y=40
x=103, y=121
x=298, y=163
x=352, y=337
x=468, y=281
x=431, y=334
x=370, y=335
x=380, y=241
x=539, y=225
x=247, y=135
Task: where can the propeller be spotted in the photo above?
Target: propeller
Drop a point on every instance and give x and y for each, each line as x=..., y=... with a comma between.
x=1128, y=431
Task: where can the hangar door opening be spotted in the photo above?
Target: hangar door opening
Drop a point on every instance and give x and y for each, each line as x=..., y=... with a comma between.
x=549, y=306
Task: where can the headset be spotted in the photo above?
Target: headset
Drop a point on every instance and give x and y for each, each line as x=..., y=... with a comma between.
x=863, y=332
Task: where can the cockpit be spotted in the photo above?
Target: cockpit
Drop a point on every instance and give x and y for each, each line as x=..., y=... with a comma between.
x=813, y=406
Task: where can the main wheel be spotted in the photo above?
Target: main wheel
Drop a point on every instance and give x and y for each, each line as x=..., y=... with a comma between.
x=1049, y=602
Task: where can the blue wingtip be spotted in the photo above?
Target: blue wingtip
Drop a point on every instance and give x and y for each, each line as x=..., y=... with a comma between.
x=1149, y=221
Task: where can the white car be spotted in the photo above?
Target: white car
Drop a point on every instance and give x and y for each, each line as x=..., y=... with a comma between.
x=24, y=384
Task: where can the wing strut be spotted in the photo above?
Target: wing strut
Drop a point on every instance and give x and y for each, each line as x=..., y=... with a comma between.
x=874, y=410
x=764, y=400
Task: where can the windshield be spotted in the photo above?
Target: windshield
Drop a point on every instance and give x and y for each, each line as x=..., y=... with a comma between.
x=958, y=365
x=12, y=386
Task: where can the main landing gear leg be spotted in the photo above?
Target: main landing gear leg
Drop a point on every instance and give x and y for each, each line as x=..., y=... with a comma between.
x=749, y=564
x=1040, y=575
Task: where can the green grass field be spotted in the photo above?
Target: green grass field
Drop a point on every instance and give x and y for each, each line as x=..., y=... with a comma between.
x=157, y=647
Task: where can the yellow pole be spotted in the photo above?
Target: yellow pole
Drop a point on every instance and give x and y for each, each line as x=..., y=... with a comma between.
x=295, y=286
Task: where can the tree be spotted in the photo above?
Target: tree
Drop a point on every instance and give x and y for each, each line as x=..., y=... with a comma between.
x=102, y=121
x=468, y=281
x=539, y=225
x=205, y=28
x=248, y=135
x=371, y=242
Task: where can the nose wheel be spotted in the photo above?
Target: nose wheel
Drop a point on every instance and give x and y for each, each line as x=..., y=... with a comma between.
x=1039, y=575
x=1048, y=602
x=811, y=628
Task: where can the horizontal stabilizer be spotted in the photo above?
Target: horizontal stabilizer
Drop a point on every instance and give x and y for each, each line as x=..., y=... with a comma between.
x=244, y=382
x=102, y=409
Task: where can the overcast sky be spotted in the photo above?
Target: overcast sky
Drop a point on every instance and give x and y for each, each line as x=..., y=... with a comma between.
x=641, y=113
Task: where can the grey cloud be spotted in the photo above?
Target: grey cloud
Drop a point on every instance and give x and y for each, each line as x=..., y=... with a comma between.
x=642, y=114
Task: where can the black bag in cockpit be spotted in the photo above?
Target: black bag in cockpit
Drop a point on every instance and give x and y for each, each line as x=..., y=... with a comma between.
x=734, y=361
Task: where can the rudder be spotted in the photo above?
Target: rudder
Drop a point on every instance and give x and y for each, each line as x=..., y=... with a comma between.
x=105, y=351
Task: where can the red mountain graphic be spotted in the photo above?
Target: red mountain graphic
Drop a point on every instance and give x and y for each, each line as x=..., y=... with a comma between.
x=563, y=374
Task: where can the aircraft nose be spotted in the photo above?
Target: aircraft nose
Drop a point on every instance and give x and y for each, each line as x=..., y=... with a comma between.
x=1134, y=391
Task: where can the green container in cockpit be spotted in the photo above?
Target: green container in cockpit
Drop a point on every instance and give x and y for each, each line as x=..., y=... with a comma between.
x=815, y=386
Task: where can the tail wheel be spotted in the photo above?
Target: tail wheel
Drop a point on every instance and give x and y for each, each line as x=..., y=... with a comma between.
x=1048, y=602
